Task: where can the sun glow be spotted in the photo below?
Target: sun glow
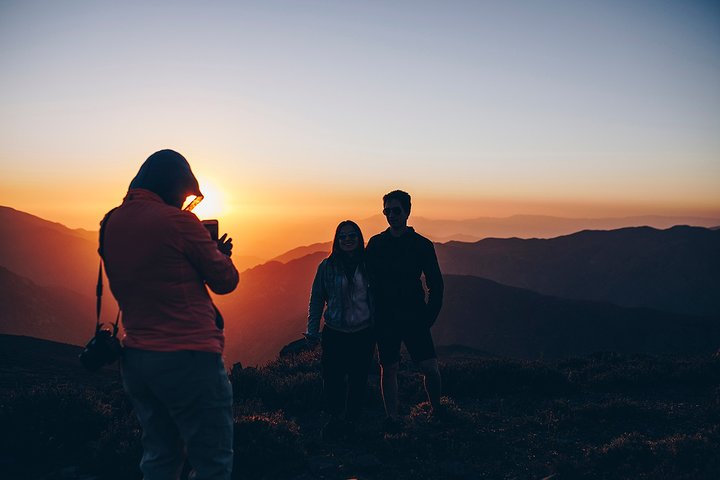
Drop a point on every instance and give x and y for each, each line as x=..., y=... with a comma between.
x=214, y=203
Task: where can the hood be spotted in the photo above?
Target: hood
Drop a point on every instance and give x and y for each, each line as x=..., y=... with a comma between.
x=168, y=174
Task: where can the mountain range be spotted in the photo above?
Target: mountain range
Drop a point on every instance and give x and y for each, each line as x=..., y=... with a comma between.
x=269, y=311
x=677, y=269
x=568, y=295
x=527, y=226
x=44, y=312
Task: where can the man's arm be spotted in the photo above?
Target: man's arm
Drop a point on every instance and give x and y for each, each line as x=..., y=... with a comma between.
x=215, y=268
x=372, y=261
x=434, y=282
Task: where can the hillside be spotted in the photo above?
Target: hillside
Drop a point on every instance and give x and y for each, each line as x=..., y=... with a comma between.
x=26, y=361
x=677, y=269
x=53, y=313
x=48, y=253
x=605, y=416
x=519, y=323
x=541, y=226
x=51, y=295
x=269, y=310
x=520, y=226
x=304, y=251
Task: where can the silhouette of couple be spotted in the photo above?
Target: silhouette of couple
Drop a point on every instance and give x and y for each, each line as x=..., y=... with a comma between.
x=375, y=295
x=160, y=261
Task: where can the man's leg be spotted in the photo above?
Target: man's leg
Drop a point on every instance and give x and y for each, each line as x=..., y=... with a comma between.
x=389, y=386
x=421, y=347
x=433, y=383
x=388, y=343
x=163, y=450
x=199, y=396
x=360, y=354
x=333, y=372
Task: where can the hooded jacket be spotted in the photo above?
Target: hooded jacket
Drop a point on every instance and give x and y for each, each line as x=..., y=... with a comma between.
x=159, y=260
x=349, y=307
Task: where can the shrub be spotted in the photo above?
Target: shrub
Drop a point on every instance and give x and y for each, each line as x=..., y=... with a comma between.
x=55, y=422
x=267, y=446
x=490, y=377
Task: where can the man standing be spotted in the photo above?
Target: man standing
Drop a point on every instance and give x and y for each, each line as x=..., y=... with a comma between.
x=160, y=261
x=396, y=259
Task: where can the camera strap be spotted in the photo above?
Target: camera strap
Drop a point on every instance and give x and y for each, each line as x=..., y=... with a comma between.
x=98, y=293
x=99, y=287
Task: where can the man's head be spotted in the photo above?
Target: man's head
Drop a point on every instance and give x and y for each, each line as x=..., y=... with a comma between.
x=396, y=208
x=168, y=174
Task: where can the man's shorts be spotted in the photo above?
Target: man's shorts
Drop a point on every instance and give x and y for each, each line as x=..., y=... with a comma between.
x=411, y=331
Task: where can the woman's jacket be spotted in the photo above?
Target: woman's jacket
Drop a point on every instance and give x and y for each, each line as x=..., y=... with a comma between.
x=349, y=304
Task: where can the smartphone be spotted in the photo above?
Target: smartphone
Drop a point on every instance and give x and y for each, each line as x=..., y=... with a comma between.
x=212, y=226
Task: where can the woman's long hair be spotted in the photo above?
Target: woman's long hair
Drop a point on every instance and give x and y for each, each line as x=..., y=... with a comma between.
x=336, y=252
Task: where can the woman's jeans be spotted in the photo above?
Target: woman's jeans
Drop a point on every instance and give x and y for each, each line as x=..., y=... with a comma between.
x=345, y=362
x=183, y=401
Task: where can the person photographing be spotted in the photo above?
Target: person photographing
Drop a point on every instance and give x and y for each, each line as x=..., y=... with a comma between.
x=160, y=262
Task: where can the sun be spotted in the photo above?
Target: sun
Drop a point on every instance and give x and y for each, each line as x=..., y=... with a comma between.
x=213, y=204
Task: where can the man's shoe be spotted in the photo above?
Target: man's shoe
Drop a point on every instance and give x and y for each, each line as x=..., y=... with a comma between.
x=392, y=425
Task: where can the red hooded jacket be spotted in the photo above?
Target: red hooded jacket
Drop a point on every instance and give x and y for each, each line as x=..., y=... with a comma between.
x=159, y=260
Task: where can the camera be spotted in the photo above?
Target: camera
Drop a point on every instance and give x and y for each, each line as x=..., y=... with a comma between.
x=103, y=349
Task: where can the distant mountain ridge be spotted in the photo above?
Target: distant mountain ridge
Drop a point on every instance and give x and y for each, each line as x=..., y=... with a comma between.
x=48, y=276
x=515, y=322
x=51, y=313
x=677, y=269
x=48, y=253
x=515, y=226
x=300, y=252
x=270, y=311
x=528, y=226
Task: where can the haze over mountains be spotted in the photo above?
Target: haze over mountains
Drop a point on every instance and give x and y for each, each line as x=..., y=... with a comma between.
x=568, y=295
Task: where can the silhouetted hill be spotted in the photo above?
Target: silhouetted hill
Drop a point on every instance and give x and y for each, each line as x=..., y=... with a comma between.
x=48, y=253
x=527, y=226
x=300, y=252
x=53, y=313
x=510, y=321
x=677, y=269
x=28, y=361
x=243, y=262
x=268, y=309
x=521, y=226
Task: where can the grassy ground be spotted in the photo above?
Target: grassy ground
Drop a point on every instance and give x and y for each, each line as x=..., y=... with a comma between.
x=601, y=417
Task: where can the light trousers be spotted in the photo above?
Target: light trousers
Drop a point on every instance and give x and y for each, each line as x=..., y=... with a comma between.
x=183, y=401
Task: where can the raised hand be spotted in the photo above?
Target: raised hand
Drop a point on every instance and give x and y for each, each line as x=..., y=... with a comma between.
x=225, y=245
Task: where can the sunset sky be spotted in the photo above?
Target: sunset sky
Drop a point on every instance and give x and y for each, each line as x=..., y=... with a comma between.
x=298, y=114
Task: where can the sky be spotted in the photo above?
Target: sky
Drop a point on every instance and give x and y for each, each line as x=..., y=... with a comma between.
x=297, y=114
